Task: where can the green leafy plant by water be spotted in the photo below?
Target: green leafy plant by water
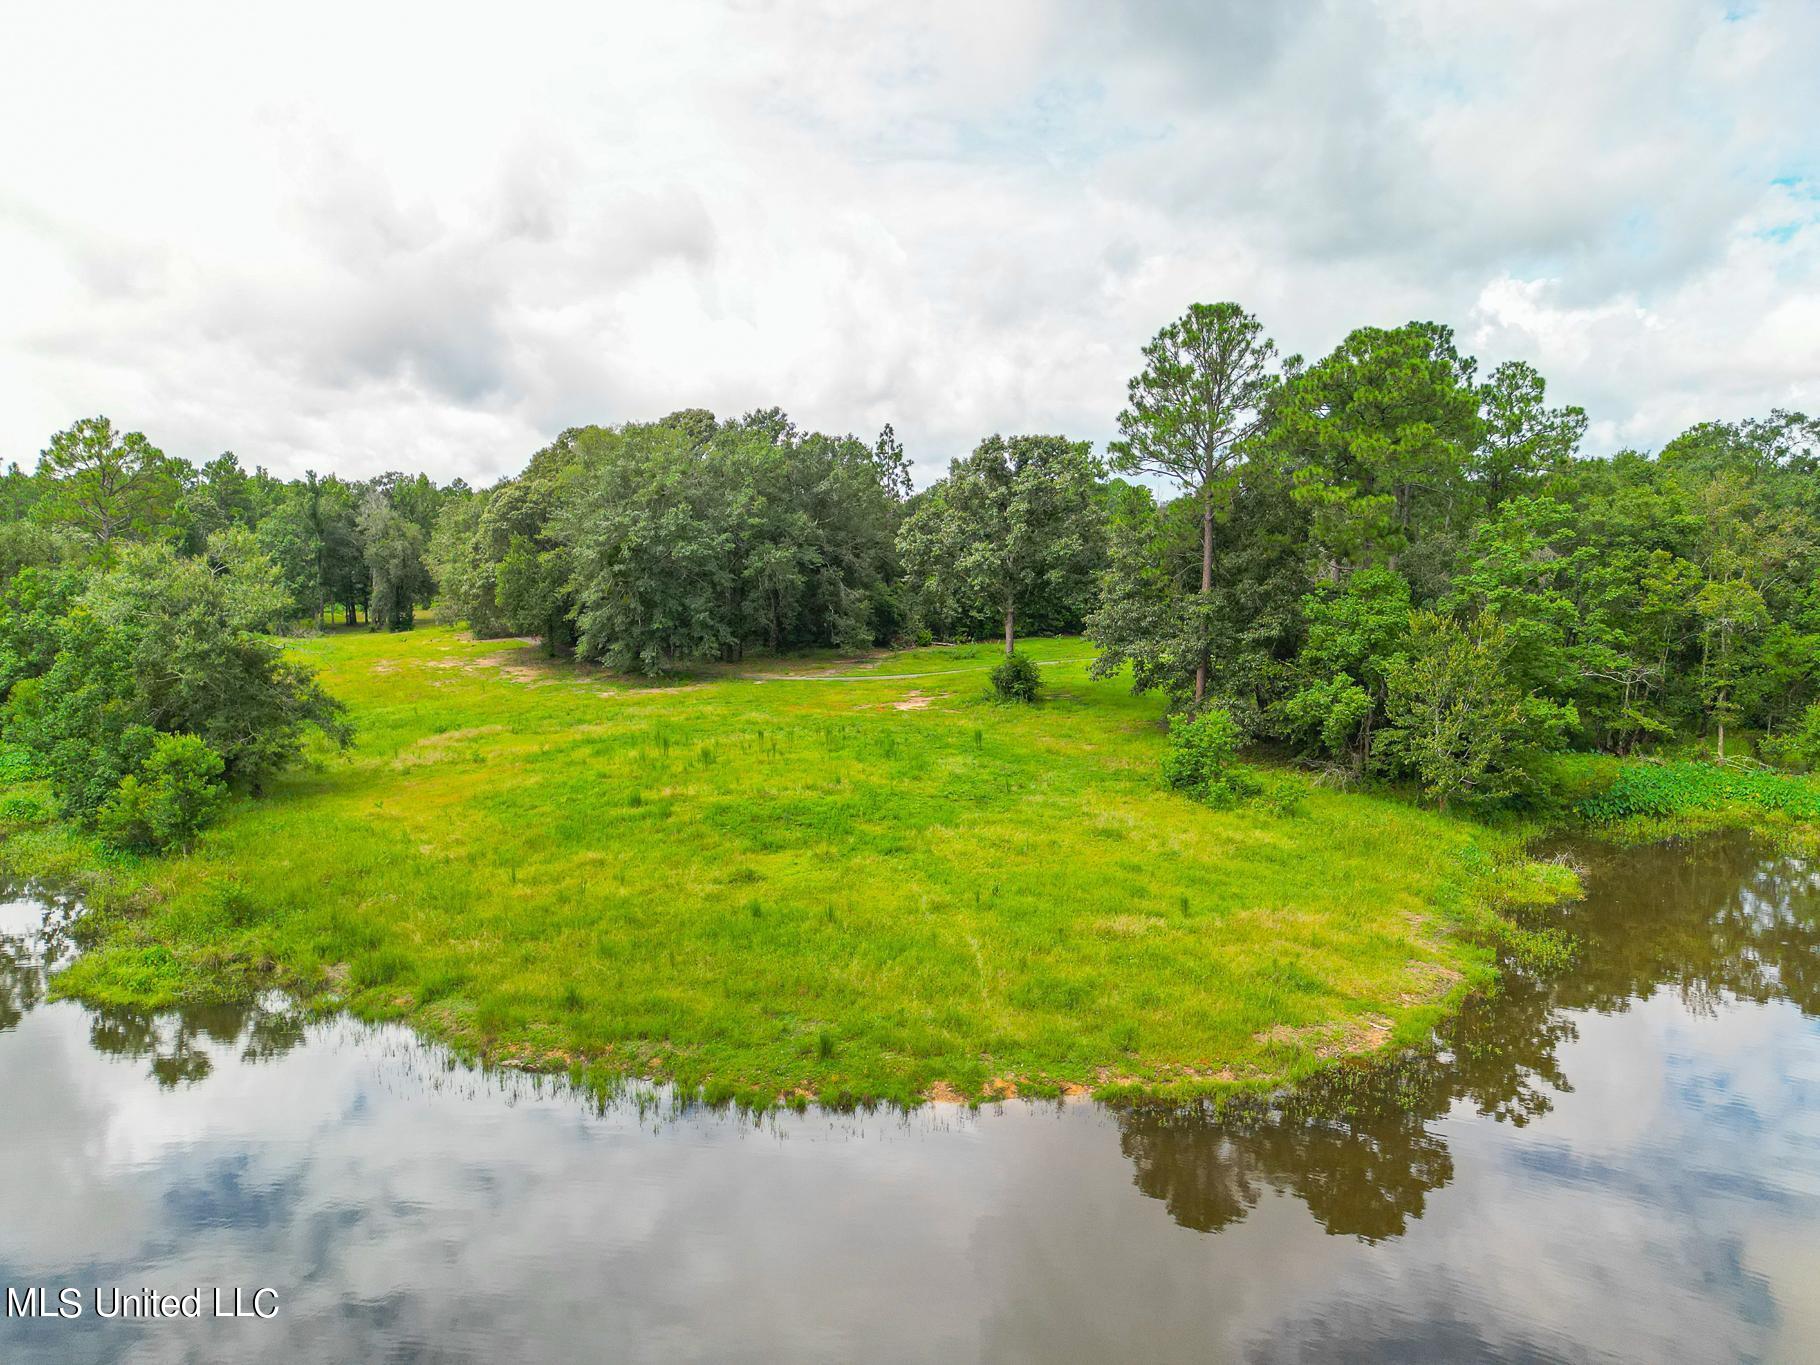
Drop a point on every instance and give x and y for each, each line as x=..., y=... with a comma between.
x=1663, y=790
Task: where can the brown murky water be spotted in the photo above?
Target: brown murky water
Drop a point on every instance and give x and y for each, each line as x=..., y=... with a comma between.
x=1622, y=1162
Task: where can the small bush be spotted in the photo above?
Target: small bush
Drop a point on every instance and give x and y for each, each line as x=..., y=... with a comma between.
x=176, y=791
x=23, y=808
x=1017, y=679
x=1199, y=758
x=16, y=764
x=1797, y=747
x=1281, y=796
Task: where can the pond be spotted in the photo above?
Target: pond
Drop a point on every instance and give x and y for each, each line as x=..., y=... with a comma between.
x=1619, y=1162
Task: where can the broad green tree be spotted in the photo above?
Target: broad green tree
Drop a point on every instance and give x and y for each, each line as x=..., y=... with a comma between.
x=1455, y=720
x=1731, y=612
x=159, y=645
x=1018, y=515
x=1356, y=634
x=391, y=545
x=650, y=548
x=1153, y=615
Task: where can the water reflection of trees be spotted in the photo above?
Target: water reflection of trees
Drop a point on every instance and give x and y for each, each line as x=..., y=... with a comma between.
x=1359, y=1145
x=180, y=1046
x=27, y=960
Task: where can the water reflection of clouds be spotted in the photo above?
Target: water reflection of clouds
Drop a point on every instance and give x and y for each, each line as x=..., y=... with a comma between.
x=1647, y=1189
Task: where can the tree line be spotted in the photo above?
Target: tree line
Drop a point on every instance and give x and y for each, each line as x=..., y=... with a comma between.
x=1381, y=561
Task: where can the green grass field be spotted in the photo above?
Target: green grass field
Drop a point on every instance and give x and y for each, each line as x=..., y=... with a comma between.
x=863, y=882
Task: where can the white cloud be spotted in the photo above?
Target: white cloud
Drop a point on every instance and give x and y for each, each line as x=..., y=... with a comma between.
x=368, y=237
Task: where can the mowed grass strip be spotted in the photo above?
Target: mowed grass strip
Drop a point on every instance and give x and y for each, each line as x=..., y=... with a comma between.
x=849, y=883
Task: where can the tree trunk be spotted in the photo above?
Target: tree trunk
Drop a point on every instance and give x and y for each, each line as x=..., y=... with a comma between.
x=1200, y=668
x=1010, y=619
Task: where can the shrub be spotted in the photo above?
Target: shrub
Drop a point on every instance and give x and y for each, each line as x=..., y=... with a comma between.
x=159, y=645
x=16, y=764
x=1457, y=722
x=1799, y=746
x=1016, y=679
x=23, y=808
x=1199, y=758
x=165, y=803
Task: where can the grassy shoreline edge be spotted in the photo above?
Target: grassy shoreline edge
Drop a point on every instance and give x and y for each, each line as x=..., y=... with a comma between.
x=1490, y=898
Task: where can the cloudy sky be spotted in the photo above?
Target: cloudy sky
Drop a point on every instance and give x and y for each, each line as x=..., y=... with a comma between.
x=371, y=236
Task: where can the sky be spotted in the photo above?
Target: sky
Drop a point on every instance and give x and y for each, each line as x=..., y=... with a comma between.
x=359, y=237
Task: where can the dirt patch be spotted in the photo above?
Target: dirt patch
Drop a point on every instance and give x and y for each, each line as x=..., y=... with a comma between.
x=912, y=701
x=943, y=1093
x=1328, y=1041
x=1127, y=926
x=1429, y=981
x=453, y=736
x=432, y=748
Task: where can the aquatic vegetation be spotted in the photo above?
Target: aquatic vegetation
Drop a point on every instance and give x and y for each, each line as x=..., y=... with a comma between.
x=1660, y=790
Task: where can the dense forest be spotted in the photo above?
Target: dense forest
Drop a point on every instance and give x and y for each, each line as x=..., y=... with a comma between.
x=1381, y=562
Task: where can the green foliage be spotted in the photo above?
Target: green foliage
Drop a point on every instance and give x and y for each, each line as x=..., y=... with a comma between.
x=1206, y=378
x=1153, y=617
x=174, y=793
x=1379, y=434
x=1521, y=439
x=1664, y=790
x=16, y=764
x=1456, y=720
x=695, y=539
x=20, y=802
x=158, y=644
x=109, y=488
x=1199, y=760
x=29, y=544
x=392, y=547
x=1327, y=716
x=1797, y=746
x=1016, y=529
x=1016, y=678
x=32, y=604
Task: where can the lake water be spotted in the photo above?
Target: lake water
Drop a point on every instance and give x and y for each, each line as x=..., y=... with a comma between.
x=1622, y=1162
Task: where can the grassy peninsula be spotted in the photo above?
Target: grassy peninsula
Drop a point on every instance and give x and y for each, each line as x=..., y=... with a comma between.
x=847, y=879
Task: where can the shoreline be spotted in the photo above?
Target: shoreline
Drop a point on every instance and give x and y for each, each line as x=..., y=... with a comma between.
x=108, y=893
x=1361, y=1068
x=388, y=886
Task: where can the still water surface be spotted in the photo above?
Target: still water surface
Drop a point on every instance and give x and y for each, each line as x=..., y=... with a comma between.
x=1622, y=1162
